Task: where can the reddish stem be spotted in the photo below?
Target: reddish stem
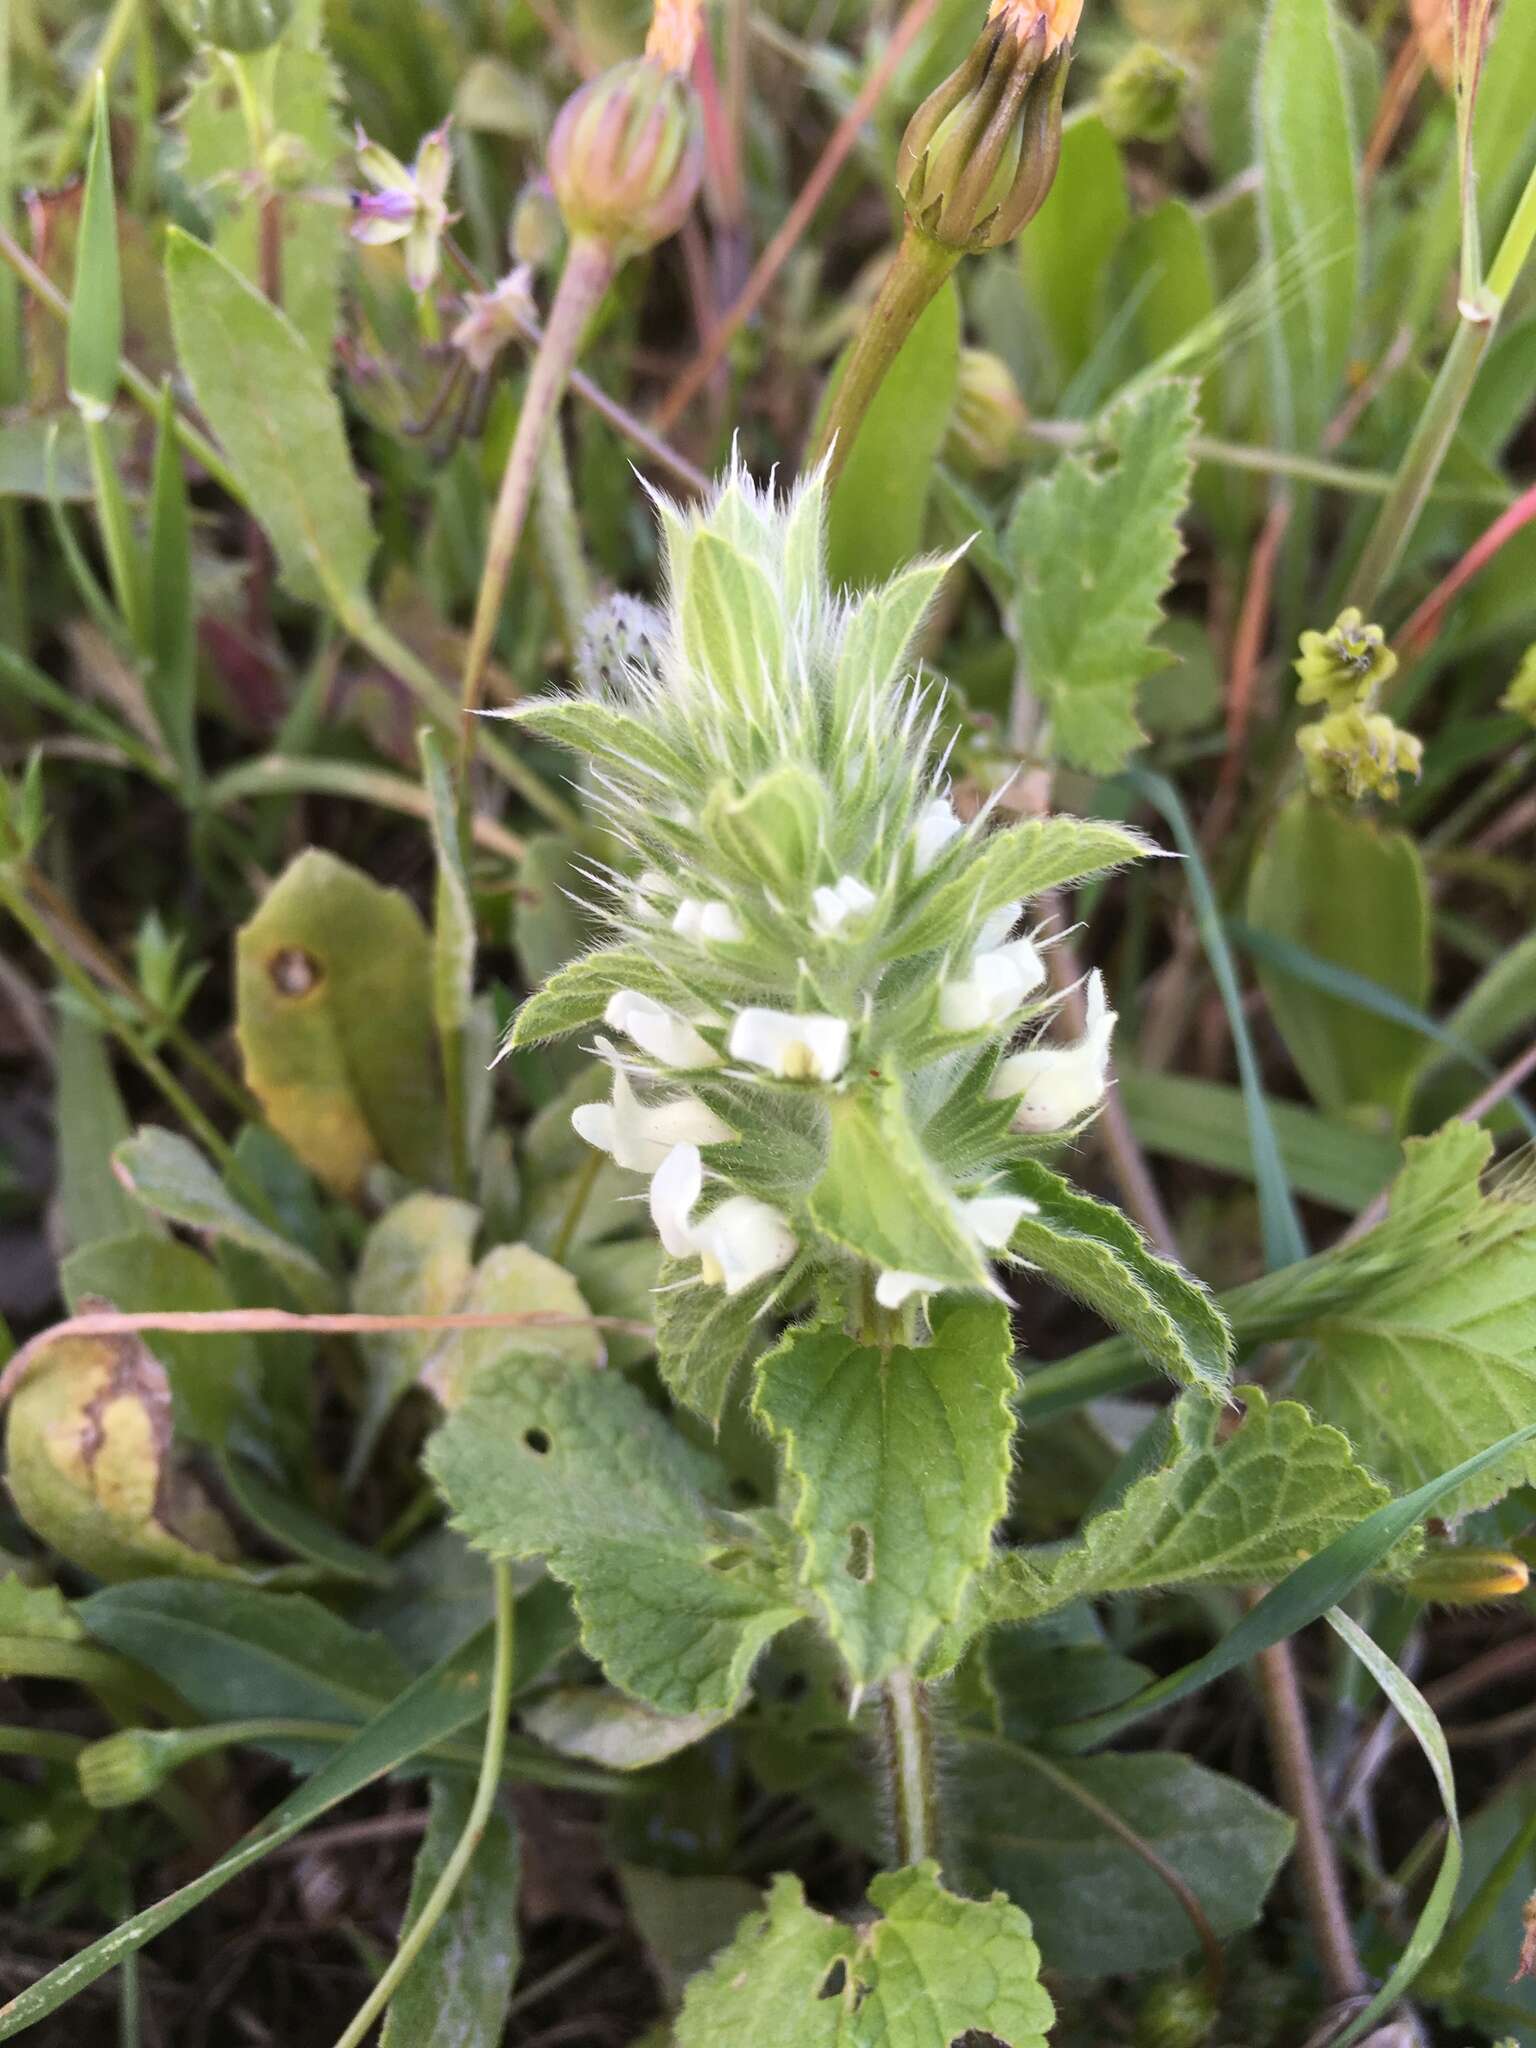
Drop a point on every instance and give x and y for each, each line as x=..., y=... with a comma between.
x=1422, y=628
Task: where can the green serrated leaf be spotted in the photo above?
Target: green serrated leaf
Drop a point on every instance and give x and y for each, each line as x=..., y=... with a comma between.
x=702, y=1335
x=731, y=623
x=262, y=391
x=1099, y=1910
x=577, y=994
x=334, y=1001
x=1239, y=1511
x=880, y=1196
x=1093, y=1251
x=457, y=1991
x=898, y=1463
x=172, y=1179
x=676, y=1596
x=1023, y=861
x=1431, y=1362
x=880, y=629
x=1093, y=547
x=931, y=1968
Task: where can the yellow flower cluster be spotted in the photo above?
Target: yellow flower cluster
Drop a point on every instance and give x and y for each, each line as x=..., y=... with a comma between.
x=1356, y=750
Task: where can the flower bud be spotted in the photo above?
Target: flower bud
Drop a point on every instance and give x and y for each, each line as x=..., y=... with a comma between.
x=537, y=233
x=1520, y=697
x=627, y=154
x=241, y=26
x=1355, y=753
x=1466, y=1574
x=93, y=1470
x=986, y=428
x=980, y=153
x=124, y=1768
x=1177, y=2012
x=1143, y=96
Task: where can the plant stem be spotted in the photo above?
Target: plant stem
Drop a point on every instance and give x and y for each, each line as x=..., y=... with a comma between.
x=415, y=1937
x=559, y=539
x=912, y=1776
x=589, y=269
x=917, y=270
x=1437, y=425
x=273, y=775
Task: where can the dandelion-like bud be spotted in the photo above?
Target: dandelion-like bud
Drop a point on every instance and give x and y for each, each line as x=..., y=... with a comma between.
x=1466, y=1574
x=986, y=428
x=627, y=154
x=122, y=1769
x=1142, y=98
x=980, y=154
x=1176, y=2012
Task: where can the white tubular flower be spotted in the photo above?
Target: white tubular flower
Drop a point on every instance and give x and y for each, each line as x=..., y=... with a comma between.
x=991, y=1220
x=996, y=926
x=659, y=1031
x=795, y=1048
x=740, y=1242
x=646, y=888
x=832, y=908
x=1056, y=1084
x=999, y=980
x=639, y=1135
x=937, y=824
x=702, y=921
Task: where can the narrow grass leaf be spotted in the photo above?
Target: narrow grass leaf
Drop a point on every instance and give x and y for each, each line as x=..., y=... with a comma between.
x=96, y=310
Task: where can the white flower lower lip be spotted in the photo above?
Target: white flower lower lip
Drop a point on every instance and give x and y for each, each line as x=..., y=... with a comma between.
x=740, y=1242
x=997, y=983
x=832, y=907
x=991, y=1220
x=1057, y=1084
x=936, y=826
x=639, y=1135
x=813, y=1048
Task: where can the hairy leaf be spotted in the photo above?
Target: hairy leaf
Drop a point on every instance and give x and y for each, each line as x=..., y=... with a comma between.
x=1093, y=546
x=702, y=1335
x=268, y=399
x=675, y=1594
x=898, y=1463
x=931, y=1968
x=1091, y=1250
x=880, y=1196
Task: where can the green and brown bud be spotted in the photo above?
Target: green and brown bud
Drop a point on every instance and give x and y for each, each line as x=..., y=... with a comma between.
x=93, y=1467
x=980, y=153
x=627, y=152
x=1346, y=665
x=1142, y=98
x=986, y=428
x=1466, y=1574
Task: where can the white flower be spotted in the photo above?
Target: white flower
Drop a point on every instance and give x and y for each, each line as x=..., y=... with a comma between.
x=738, y=1243
x=1056, y=1084
x=997, y=924
x=936, y=826
x=658, y=1030
x=698, y=921
x=998, y=981
x=991, y=1220
x=640, y=1135
x=811, y=1048
x=831, y=908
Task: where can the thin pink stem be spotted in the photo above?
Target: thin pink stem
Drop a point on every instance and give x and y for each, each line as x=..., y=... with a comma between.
x=1425, y=623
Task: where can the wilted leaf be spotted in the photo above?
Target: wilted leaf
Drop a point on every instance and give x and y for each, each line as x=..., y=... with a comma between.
x=334, y=998
x=602, y=1726
x=416, y=1261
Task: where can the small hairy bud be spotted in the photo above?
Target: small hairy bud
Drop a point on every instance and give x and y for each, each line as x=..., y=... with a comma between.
x=1142, y=98
x=627, y=154
x=980, y=153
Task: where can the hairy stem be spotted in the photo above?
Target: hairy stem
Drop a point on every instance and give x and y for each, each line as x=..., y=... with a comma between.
x=911, y=1772
x=917, y=270
x=589, y=269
